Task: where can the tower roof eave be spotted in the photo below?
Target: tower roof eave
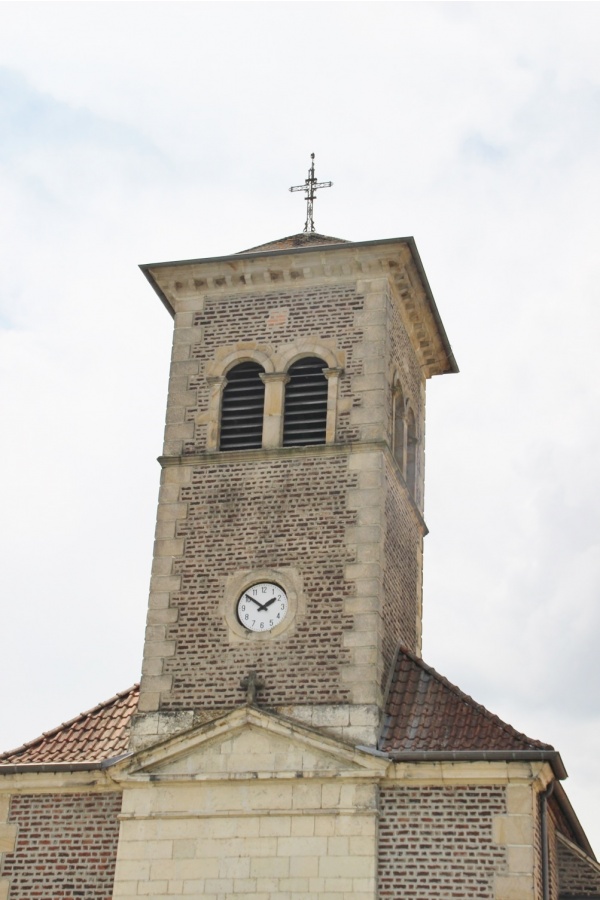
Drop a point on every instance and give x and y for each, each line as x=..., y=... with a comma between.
x=177, y=281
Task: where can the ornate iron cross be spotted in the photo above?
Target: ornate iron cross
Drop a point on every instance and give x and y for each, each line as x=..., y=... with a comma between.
x=310, y=186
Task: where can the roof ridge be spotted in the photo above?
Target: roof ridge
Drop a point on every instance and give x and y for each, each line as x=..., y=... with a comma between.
x=469, y=701
x=301, y=239
x=105, y=704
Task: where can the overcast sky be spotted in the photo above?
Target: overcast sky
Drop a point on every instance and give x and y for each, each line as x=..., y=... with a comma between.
x=139, y=132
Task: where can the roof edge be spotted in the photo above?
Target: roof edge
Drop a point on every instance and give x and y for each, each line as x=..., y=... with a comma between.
x=560, y=795
x=85, y=766
x=52, y=732
x=469, y=701
x=551, y=756
x=246, y=254
x=147, y=269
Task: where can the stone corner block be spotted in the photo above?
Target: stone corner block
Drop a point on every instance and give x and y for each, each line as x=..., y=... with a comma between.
x=8, y=837
x=148, y=702
x=519, y=799
x=513, y=887
x=513, y=830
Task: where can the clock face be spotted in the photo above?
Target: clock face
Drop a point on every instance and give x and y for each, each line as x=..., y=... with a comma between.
x=262, y=606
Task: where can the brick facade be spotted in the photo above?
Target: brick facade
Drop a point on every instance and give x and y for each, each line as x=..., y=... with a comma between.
x=579, y=877
x=273, y=319
x=437, y=842
x=66, y=846
x=402, y=574
x=276, y=513
x=343, y=520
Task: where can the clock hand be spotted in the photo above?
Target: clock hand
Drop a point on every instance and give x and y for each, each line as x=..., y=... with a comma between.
x=258, y=603
x=268, y=603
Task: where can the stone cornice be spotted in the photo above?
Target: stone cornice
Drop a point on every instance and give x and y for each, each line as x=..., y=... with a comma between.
x=184, y=285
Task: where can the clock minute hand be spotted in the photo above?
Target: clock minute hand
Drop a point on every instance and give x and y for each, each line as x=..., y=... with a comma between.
x=258, y=603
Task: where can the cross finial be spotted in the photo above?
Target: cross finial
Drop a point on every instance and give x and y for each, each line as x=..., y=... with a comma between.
x=310, y=186
x=251, y=684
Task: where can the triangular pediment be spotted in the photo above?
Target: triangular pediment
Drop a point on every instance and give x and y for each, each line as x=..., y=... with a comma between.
x=251, y=743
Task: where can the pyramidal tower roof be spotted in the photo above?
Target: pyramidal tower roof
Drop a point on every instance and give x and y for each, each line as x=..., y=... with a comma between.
x=304, y=239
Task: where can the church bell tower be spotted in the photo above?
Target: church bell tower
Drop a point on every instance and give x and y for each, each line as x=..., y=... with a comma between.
x=288, y=557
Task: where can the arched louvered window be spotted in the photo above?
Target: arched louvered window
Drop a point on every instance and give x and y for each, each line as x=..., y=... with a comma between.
x=399, y=428
x=411, y=452
x=305, y=411
x=242, y=409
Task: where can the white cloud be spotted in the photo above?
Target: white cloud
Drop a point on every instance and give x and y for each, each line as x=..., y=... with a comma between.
x=138, y=132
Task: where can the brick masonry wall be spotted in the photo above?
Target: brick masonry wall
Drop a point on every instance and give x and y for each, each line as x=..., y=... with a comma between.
x=401, y=609
x=66, y=846
x=324, y=311
x=289, y=512
x=316, y=513
x=577, y=877
x=436, y=842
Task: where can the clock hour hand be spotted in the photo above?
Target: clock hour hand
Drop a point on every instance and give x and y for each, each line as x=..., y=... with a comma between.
x=258, y=603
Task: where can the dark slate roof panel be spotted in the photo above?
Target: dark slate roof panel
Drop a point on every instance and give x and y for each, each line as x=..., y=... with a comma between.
x=100, y=733
x=424, y=711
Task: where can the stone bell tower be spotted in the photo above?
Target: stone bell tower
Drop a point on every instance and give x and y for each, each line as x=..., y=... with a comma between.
x=288, y=555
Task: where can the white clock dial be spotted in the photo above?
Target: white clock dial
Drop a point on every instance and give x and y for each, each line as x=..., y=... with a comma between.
x=262, y=606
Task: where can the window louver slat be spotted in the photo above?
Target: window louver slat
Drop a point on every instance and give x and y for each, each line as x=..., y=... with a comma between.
x=242, y=408
x=305, y=413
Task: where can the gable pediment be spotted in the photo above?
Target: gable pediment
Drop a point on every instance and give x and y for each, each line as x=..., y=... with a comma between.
x=250, y=743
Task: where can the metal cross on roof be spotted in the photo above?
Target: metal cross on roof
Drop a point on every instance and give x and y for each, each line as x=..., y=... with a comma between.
x=310, y=186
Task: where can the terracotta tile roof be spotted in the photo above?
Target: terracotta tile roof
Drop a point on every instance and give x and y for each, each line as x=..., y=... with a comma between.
x=424, y=711
x=98, y=734
x=304, y=239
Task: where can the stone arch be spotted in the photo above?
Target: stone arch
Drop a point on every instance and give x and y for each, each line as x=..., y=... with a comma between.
x=305, y=404
x=291, y=353
x=216, y=376
x=333, y=360
x=231, y=357
x=242, y=407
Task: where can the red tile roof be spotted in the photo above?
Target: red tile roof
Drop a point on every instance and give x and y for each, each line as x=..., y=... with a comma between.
x=100, y=733
x=304, y=239
x=424, y=711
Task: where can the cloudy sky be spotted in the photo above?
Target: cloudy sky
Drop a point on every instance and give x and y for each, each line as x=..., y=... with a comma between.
x=138, y=132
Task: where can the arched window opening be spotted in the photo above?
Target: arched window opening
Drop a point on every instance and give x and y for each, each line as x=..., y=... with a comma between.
x=242, y=409
x=399, y=428
x=411, y=452
x=305, y=410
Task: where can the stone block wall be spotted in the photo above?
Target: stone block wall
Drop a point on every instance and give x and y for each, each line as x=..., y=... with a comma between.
x=294, y=841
